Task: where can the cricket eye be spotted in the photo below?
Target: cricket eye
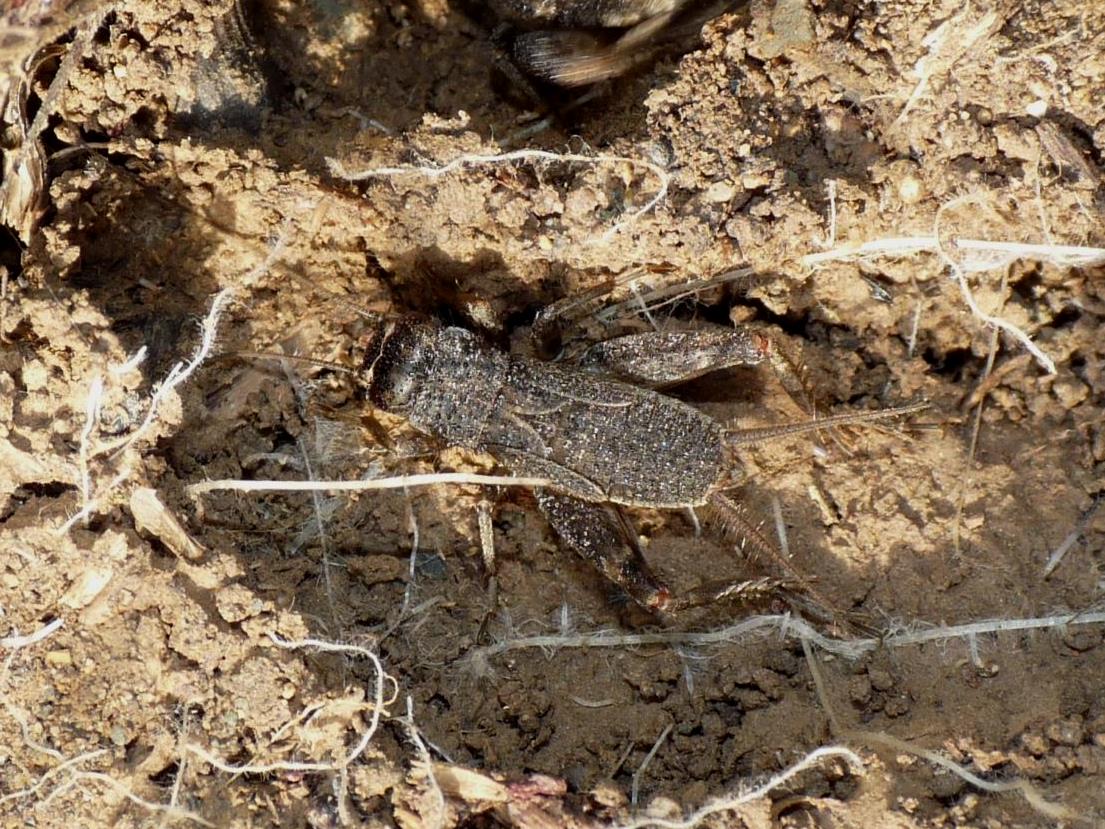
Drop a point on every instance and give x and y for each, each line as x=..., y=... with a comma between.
x=399, y=386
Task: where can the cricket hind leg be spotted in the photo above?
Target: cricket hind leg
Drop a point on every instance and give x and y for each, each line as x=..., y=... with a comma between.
x=739, y=437
x=600, y=534
x=746, y=592
x=597, y=534
x=660, y=359
x=796, y=588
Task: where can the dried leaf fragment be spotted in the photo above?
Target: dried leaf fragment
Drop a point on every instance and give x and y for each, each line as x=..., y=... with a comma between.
x=152, y=516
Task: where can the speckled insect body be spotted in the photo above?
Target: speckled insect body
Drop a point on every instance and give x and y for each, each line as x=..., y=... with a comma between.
x=580, y=42
x=585, y=13
x=601, y=443
x=596, y=439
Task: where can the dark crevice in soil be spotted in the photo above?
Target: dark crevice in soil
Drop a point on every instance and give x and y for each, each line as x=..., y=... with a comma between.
x=953, y=364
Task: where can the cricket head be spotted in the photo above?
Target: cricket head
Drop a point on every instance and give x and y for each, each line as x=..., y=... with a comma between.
x=398, y=355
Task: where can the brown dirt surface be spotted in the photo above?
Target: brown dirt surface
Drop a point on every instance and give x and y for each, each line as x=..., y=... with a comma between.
x=865, y=171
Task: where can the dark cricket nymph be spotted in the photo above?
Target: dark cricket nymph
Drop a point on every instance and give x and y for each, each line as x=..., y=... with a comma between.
x=596, y=439
x=601, y=443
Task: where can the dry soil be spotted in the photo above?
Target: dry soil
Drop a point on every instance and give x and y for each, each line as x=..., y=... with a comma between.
x=155, y=157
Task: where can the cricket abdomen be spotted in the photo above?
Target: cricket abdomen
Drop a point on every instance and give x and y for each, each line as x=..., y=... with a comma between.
x=608, y=441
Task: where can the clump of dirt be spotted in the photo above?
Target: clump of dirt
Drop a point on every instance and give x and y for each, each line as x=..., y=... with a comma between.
x=907, y=196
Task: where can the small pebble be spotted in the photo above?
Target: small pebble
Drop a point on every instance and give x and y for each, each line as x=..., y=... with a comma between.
x=859, y=689
x=881, y=680
x=59, y=658
x=663, y=808
x=720, y=192
x=910, y=190
x=1037, y=109
x=1034, y=743
x=35, y=375
x=1066, y=732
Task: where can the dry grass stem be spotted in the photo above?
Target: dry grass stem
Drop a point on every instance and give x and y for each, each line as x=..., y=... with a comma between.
x=323, y=534
x=591, y=703
x=992, y=320
x=787, y=626
x=822, y=689
x=1072, y=537
x=399, y=482
x=130, y=364
x=780, y=526
x=635, y=786
x=981, y=254
x=4, y=305
x=914, y=326
x=91, y=414
x=338, y=170
x=830, y=188
x=734, y=802
x=15, y=642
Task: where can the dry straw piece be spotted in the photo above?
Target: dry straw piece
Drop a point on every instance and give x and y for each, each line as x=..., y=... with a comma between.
x=787, y=627
x=965, y=256
x=735, y=801
x=432, y=171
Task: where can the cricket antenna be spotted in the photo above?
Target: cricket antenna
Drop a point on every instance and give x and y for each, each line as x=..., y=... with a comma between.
x=273, y=355
x=740, y=437
x=371, y=316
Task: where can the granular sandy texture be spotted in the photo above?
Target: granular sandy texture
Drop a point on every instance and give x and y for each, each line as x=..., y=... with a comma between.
x=962, y=142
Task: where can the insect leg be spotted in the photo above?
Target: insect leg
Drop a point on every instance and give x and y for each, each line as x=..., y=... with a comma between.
x=743, y=592
x=487, y=549
x=738, y=437
x=595, y=532
x=556, y=319
x=792, y=377
x=659, y=359
x=735, y=522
